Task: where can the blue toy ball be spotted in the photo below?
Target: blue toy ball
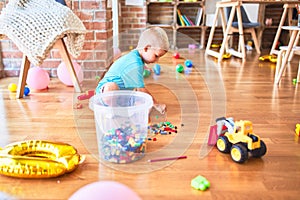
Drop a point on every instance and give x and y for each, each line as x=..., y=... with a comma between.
x=26, y=91
x=188, y=63
x=156, y=69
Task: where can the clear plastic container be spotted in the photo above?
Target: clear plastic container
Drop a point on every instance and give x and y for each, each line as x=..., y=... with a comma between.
x=121, y=119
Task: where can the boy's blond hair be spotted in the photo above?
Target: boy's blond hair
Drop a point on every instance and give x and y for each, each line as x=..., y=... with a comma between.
x=156, y=37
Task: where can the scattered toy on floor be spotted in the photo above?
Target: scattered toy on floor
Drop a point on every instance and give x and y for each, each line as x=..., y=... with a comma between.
x=188, y=63
x=200, y=183
x=271, y=58
x=146, y=72
x=176, y=55
x=297, y=130
x=26, y=91
x=241, y=142
x=161, y=128
x=156, y=69
x=12, y=87
x=87, y=95
x=179, y=68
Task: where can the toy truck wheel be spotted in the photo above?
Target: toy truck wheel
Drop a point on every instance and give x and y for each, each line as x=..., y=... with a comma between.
x=239, y=153
x=257, y=153
x=223, y=144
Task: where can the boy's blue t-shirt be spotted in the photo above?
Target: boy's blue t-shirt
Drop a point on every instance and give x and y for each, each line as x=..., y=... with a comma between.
x=126, y=72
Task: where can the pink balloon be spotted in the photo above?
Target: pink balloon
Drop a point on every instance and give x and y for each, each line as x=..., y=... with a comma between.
x=64, y=75
x=105, y=190
x=37, y=78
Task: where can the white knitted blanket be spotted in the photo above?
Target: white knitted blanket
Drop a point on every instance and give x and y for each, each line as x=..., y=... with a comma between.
x=35, y=25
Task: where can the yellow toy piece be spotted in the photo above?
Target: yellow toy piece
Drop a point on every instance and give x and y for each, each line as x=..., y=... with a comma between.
x=38, y=159
x=241, y=141
x=226, y=55
x=297, y=130
x=216, y=45
x=271, y=58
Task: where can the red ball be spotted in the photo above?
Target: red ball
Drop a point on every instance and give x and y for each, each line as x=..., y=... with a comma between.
x=176, y=55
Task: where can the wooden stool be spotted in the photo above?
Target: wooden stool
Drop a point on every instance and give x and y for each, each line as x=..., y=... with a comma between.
x=281, y=67
x=61, y=46
x=287, y=12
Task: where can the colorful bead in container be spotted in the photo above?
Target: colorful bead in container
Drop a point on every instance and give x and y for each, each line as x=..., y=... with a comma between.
x=124, y=144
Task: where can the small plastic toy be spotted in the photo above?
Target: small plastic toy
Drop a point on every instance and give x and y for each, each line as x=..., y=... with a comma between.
x=271, y=58
x=26, y=91
x=297, y=130
x=188, y=63
x=176, y=55
x=179, y=68
x=226, y=55
x=216, y=45
x=88, y=94
x=241, y=141
x=156, y=69
x=162, y=128
x=294, y=81
x=12, y=87
x=200, y=183
x=146, y=73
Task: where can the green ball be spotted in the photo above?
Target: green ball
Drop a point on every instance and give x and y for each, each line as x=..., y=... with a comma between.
x=146, y=72
x=179, y=68
x=294, y=81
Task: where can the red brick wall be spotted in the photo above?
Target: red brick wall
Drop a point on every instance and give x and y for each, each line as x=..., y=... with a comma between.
x=132, y=21
x=97, y=53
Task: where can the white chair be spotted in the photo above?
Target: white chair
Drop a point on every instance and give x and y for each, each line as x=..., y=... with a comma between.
x=248, y=27
x=280, y=56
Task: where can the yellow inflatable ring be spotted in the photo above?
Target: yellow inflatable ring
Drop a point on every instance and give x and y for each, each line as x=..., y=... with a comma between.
x=38, y=159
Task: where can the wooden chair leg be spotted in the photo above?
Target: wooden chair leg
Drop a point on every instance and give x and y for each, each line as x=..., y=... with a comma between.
x=61, y=46
x=23, y=76
x=293, y=51
x=255, y=40
x=298, y=74
x=278, y=66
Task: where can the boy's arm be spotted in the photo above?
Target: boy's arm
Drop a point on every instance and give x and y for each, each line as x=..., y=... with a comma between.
x=147, y=91
x=159, y=107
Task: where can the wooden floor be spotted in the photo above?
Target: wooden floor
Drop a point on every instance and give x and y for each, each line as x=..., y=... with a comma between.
x=244, y=91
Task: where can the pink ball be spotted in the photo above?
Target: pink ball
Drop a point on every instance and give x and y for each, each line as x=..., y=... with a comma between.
x=64, y=74
x=105, y=190
x=37, y=78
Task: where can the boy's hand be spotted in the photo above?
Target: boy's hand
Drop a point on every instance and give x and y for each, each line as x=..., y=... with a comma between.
x=161, y=108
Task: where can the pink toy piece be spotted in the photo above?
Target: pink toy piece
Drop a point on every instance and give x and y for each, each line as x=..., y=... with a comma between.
x=213, y=136
x=88, y=94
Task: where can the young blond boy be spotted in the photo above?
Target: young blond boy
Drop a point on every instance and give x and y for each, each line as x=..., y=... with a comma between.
x=126, y=73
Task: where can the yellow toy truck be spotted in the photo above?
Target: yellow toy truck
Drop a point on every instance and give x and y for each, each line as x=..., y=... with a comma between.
x=241, y=142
